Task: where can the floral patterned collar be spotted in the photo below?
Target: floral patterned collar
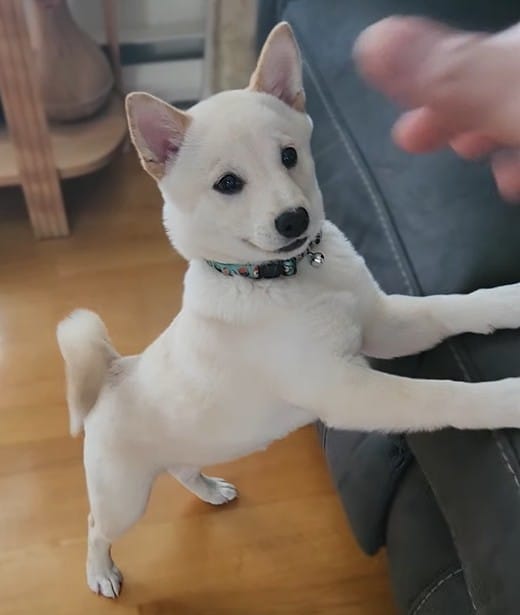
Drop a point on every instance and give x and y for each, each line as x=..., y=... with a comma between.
x=272, y=269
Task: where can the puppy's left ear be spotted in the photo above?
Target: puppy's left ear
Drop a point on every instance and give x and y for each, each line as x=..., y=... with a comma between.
x=279, y=68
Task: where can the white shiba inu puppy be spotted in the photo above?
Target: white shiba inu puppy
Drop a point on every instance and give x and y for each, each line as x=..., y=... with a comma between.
x=277, y=316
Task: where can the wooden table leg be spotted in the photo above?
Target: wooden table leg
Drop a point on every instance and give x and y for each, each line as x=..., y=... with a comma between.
x=27, y=124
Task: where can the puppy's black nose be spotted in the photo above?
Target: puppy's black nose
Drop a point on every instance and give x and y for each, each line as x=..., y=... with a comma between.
x=292, y=222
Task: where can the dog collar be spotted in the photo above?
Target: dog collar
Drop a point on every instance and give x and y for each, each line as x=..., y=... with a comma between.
x=272, y=269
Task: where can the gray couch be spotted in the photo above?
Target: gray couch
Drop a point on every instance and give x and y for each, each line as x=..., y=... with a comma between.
x=446, y=505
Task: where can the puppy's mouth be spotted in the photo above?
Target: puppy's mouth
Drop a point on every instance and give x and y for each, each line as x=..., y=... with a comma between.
x=290, y=247
x=294, y=245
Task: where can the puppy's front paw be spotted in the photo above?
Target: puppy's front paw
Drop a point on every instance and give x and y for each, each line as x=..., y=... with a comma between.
x=105, y=582
x=505, y=308
x=218, y=491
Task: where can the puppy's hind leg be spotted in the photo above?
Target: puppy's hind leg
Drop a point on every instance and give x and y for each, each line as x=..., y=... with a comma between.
x=118, y=494
x=209, y=489
x=103, y=576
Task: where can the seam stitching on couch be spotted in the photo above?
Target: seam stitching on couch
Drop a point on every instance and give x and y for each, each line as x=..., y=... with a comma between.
x=364, y=180
x=460, y=362
x=506, y=459
x=453, y=534
x=433, y=589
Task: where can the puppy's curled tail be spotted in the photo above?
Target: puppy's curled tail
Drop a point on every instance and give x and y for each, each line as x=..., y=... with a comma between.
x=88, y=353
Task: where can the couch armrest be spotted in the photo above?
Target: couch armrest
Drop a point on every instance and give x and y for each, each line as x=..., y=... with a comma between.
x=476, y=481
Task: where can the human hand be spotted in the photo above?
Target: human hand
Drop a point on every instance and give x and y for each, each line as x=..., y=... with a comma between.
x=461, y=88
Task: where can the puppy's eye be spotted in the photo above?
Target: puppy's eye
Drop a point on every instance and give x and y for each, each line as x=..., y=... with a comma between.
x=289, y=157
x=229, y=184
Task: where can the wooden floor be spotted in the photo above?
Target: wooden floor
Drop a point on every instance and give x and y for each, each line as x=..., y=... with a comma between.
x=284, y=547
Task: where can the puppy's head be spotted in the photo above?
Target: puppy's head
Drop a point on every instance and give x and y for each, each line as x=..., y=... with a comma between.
x=236, y=171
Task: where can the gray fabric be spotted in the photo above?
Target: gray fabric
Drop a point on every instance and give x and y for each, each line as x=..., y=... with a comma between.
x=425, y=224
x=366, y=470
x=426, y=572
x=478, y=490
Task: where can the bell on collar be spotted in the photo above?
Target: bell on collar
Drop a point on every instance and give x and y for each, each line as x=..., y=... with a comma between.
x=316, y=259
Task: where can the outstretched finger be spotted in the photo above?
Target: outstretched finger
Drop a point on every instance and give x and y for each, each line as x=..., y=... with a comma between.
x=423, y=130
x=506, y=168
x=473, y=145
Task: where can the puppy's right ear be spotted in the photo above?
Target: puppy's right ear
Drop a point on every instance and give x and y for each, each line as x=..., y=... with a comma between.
x=157, y=130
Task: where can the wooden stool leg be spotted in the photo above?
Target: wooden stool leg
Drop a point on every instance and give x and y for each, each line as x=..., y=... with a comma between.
x=112, y=36
x=22, y=103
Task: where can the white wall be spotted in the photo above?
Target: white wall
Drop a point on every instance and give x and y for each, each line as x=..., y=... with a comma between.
x=156, y=22
x=135, y=16
x=170, y=22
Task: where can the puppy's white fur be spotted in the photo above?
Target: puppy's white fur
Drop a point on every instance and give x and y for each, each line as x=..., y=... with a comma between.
x=245, y=362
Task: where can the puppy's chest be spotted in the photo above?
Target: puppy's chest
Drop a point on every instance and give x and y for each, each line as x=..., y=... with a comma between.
x=326, y=323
